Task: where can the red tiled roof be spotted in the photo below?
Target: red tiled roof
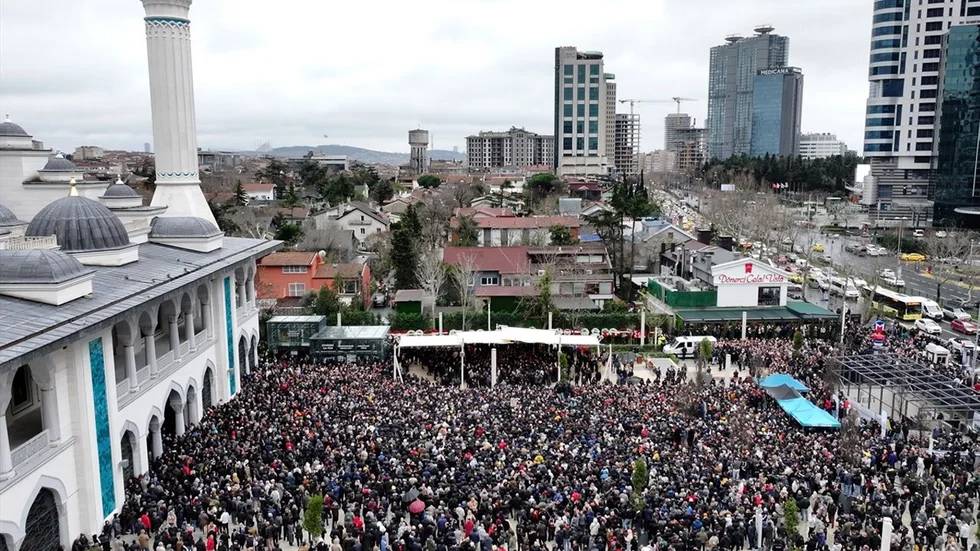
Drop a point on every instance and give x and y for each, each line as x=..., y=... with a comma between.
x=258, y=188
x=506, y=291
x=478, y=212
x=295, y=212
x=350, y=270
x=529, y=222
x=294, y=258
x=505, y=260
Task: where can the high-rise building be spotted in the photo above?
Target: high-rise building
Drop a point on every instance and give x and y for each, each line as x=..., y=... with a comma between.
x=146, y=147
x=168, y=49
x=584, y=139
x=820, y=145
x=627, y=144
x=418, y=142
x=514, y=148
x=957, y=197
x=731, y=78
x=691, y=151
x=673, y=123
x=904, y=70
x=777, y=101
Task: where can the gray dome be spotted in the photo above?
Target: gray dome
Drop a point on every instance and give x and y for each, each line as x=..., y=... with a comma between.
x=8, y=128
x=39, y=266
x=182, y=226
x=80, y=224
x=59, y=164
x=120, y=189
x=7, y=218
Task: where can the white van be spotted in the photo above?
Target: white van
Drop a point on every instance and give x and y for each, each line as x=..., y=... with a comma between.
x=686, y=347
x=844, y=287
x=930, y=308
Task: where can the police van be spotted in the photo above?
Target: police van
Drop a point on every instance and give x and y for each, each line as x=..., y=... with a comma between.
x=687, y=347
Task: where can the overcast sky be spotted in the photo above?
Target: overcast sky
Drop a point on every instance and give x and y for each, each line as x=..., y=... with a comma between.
x=365, y=72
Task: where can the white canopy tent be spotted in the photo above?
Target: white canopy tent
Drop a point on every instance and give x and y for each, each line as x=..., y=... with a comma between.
x=502, y=336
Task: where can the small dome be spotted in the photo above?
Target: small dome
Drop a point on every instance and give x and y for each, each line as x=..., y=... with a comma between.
x=80, y=224
x=182, y=226
x=10, y=129
x=39, y=266
x=120, y=189
x=7, y=218
x=58, y=163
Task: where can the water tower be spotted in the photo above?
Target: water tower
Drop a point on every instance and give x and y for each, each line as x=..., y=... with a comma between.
x=418, y=141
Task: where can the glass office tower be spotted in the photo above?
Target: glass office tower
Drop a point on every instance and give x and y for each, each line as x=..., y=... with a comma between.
x=777, y=101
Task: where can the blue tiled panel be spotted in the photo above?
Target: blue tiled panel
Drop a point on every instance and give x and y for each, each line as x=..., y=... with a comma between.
x=103, y=436
x=230, y=337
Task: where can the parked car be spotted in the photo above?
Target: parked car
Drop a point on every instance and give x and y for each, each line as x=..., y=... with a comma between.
x=958, y=344
x=963, y=326
x=855, y=248
x=940, y=234
x=893, y=281
x=913, y=257
x=928, y=326
x=918, y=232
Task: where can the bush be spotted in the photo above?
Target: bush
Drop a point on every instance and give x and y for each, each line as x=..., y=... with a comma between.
x=410, y=321
x=313, y=517
x=640, y=480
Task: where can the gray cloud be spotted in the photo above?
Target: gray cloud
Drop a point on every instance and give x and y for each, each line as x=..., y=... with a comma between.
x=365, y=72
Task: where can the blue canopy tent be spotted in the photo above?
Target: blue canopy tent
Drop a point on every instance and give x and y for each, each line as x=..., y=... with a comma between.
x=786, y=391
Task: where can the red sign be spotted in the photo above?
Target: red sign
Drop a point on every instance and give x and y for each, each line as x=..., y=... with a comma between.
x=748, y=267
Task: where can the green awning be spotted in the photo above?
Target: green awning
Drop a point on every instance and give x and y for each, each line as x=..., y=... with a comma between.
x=793, y=311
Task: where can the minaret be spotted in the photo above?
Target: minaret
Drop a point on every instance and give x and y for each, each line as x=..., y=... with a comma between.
x=168, y=49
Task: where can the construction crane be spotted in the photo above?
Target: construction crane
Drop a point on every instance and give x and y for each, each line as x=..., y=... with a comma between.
x=678, y=101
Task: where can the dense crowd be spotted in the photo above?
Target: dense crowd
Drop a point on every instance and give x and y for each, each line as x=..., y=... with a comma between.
x=536, y=466
x=517, y=364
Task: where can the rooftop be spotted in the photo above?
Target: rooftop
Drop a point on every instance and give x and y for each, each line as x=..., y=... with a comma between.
x=289, y=258
x=505, y=260
x=30, y=327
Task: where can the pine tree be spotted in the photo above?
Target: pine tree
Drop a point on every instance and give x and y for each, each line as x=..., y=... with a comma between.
x=241, y=198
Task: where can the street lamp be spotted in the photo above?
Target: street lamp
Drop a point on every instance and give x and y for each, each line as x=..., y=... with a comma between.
x=901, y=226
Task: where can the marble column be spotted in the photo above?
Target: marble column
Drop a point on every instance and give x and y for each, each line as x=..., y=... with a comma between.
x=175, y=337
x=150, y=343
x=189, y=331
x=157, y=441
x=130, y=354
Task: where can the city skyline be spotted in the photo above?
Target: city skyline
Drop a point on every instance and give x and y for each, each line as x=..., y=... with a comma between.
x=258, y=84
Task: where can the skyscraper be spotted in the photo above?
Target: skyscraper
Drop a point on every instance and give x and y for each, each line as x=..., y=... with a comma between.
x=777, y=100
x=904, y=69
x=731, y=77
x=627, y=144
x=957, y=198
x=583, y=94
x=168, y=50
x=674, y=124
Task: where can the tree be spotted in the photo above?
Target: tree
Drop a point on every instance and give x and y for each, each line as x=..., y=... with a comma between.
x=325, y=302
x=562, y=236
x=541, y=304
x=382, y=192
x=313, y=517
x=428, y=181
x=289, y=233
x=247, y=223
x=791, y=520
x=946, y=255
x=461, y=276
x=275, y=172
x=241, y=198
x=404, y=249
x=640, y=480
x=543, y=184
x=468, y=232
x=705, y=350
x=336, y=189
x=431, y=273
x=222, y=215
x=290, y=198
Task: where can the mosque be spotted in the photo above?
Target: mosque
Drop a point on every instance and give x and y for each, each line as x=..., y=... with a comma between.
x=119, y=322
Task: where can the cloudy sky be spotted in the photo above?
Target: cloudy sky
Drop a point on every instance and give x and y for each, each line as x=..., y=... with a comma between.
x=364, y=72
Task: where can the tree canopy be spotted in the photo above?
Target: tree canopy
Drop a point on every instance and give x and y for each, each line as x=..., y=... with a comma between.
x=428, y=181
x=830, y=174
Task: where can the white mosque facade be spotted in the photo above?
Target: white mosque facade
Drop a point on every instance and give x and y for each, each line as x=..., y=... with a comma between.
x=120, y=323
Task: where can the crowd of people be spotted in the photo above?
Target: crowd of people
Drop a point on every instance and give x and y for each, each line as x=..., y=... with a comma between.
x=675, y=462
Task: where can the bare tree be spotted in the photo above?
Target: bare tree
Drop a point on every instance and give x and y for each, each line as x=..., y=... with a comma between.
x=462, y=277
x=946, y=256
x=328, y=238
x=431, y=273
x=251, y=223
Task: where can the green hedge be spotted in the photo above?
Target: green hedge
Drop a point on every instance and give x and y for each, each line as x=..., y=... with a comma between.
x=408, y=321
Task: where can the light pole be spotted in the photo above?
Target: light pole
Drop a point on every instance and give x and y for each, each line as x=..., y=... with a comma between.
x=901, y=226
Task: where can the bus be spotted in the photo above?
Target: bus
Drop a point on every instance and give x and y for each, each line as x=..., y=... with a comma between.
x=895, y=304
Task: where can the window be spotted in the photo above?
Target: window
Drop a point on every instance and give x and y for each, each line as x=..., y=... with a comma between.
x=594, y=69
x=881, y=31
x=350, y=286
x=934, y=12
x=580, y=127
x=594, y=144
x=930, y=81
x=593, y=109
x=923, y=146
x=581, y=73
x=886, y=43
x=567, y=127
x=886, y=70
x=297, y=289
x=566, y=144
x=568, y=94
x=579, y=143
x=490, y=280
x=884, y=56
x=932, y=54
x=580, y=109
x=581, y=93
x=890, y=16
x=934, y=39
x=768, y=296
x=569, y=70
x=567, y=109
x=924, y=133
x=363, y=231
x=880, y=122
x=593, y=127
x=892, y=88
x=878, y=109
x=22, y=390
x=934, y=26
x=927, y=120
x=927, y=93
x=294, y=269
x=927, y=107
x=930, y=67
x=885, y=4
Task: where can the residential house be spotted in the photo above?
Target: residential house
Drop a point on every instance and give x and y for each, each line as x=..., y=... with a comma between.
x=286, y=274
x=507, y=231
x=655, y=241
x=354, y=278
x=260, y=191
x=294, y=274
x=362, y=219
